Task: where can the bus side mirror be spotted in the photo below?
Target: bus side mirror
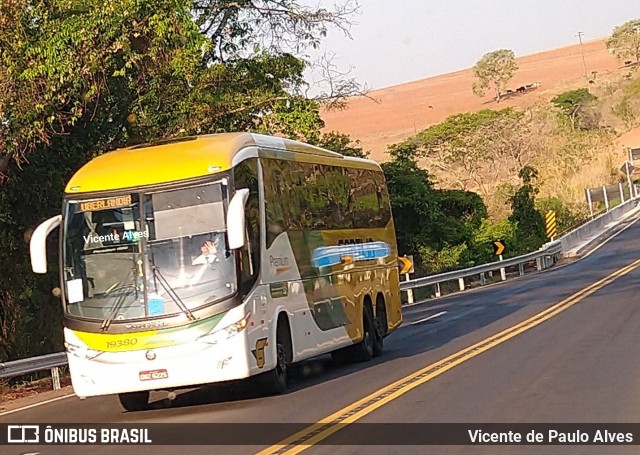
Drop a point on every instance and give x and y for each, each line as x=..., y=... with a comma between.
x=38, y=244
x=235, y=219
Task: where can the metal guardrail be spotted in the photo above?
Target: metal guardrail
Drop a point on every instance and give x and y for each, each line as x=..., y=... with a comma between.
x=34, y=364
x=545, y=257
x=541, y=256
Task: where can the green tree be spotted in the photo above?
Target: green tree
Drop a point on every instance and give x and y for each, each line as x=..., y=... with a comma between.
x=473, y=148
x=575, y=105
x=488, y=232
x=529, y=223
x=68, y=62
x=78, y=78
x=151, y=71
x=437, y=226
x=624, y=42
x=276, y=26
x=463, y=212
x=414, y=204
x=494, y=70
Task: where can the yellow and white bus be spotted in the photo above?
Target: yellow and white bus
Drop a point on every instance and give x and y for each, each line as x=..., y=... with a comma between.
x=220, y=257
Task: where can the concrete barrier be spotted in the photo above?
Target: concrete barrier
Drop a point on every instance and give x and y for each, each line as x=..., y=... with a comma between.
x=585, y=235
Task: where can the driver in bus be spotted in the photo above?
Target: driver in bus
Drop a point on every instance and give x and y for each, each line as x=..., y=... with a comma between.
x=212, y=250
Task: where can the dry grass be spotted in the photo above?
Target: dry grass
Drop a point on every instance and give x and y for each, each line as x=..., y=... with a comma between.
x=28, y=388
x=567, y=164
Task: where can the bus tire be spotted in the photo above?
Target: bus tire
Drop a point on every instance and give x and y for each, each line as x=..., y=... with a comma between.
x=274, y=382
x=340, y=356
x=134, y=401
x=363, y=351
x=380, y=323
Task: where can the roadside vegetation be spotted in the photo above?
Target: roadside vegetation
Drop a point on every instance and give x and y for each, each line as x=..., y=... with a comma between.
x=518, y=163
x=80, y=78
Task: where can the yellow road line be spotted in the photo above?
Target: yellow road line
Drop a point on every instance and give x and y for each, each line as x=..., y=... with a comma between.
x=326, y=427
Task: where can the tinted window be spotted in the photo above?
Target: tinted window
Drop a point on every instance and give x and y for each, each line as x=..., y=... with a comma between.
x=306, y=196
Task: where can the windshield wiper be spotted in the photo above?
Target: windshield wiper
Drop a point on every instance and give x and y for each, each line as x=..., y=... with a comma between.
x=122, y=297
x=173, y=294
x=118, y=305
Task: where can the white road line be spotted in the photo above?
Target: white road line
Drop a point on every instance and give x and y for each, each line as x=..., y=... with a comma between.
x=35, y=405
x=419, y=321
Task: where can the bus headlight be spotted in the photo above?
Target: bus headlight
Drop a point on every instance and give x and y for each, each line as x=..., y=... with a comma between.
x=226, y=332
x=81, y=351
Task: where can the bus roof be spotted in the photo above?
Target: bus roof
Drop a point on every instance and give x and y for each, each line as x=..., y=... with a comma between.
x=177, y=159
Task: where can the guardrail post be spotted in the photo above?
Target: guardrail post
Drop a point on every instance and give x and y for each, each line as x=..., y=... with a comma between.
x=409, y=291
x=437, y=289
x=55, y=378
x=538, y=264
x=461, y=283
x=521, y=269
x=482, y=279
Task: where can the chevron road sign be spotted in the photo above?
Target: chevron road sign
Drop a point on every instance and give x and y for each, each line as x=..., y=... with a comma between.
x=551, y=224
x=406, y=263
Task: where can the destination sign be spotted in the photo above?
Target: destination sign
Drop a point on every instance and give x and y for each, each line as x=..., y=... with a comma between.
x=106, y=203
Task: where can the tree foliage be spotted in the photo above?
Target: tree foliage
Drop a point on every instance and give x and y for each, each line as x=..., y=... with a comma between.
x=69, y=62
x=277, y=26
x=575, y=105
x=624, y=42
x=494, y=70
x=149, y=70
x=413, y=203
x=78, y=78
x=436, y=226
x=529, y=223
x=475, y=148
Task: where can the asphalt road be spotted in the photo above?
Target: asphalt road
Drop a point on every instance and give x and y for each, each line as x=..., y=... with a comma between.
x=580, y=364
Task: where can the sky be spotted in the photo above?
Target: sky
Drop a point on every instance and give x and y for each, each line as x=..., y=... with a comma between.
x=396, y=41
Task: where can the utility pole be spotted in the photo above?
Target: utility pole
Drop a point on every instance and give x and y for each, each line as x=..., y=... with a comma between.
x=584, y=64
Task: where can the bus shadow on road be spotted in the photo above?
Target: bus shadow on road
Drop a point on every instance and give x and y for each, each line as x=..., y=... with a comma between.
x=460, y=315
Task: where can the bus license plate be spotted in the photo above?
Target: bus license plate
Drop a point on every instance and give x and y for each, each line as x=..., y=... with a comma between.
x=153, y=374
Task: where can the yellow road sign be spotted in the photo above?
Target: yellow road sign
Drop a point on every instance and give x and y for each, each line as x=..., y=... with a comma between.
x=406, y=263
x=498, y=247
x=551, y=224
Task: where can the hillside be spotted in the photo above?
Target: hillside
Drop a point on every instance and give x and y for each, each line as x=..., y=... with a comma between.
x=405, y=109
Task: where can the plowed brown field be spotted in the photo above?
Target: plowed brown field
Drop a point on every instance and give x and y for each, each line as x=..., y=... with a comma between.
x=405, y=109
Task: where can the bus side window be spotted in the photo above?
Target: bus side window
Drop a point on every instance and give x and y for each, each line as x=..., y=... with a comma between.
x=246, y=176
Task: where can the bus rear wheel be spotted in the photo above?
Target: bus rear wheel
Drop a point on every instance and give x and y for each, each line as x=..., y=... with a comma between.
x=363, y=351
x=134, y=401
x=380, y=323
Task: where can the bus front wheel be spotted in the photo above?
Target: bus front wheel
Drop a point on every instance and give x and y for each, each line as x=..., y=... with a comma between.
x=275, y=381
x=134, y=401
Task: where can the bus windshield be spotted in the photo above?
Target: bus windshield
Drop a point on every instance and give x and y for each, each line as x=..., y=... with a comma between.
x=145, y=255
